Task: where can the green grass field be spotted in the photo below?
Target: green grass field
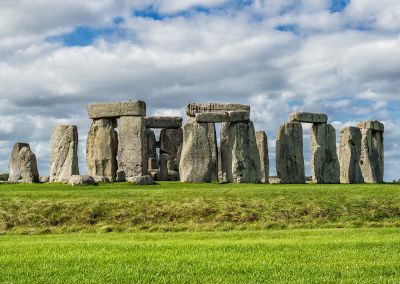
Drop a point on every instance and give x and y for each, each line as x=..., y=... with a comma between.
x=200, y=233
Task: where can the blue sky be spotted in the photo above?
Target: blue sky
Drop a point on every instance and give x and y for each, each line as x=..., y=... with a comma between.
x=338, y=57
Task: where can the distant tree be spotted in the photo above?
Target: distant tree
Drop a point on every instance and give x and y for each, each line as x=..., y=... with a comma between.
x=3, y=177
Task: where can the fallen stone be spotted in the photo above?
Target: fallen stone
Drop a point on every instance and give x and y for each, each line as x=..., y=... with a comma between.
x=194, y=108
x=372, y=124
x=132, y=146
x=15, y=163
x=198, y=161
x=223, y=116
x=349, y=155
x=141, y=180
x=274, y=180
x=102, y=149
x=262, y=145
x=116, y=110
x=64, y=153
x=239, y=153
x=289, y=153
x=101, y=179
x=44, y=179
x=163, y=122
x=310, y=117
x=155, y=174
x=171, y=143
x=324, y=160
x=81, y=180
x=372, y=153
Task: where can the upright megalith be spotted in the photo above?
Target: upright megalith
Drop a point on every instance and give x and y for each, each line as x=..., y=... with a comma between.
x=132, y=146
x=171, y=143
x=239, y=153
x=64, y=153
x=102, y=148
x=372, y=155
x=198, y=161
x=349, y=155
x=23, y=164
x=324, y=160
x=289, y=153
x=262, y=145
x=151, y=148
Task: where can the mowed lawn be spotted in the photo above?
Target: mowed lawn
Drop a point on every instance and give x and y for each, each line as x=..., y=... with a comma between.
x=300, y=256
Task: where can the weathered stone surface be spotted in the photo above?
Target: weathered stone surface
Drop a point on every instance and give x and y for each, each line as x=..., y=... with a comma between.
x=198, y=161
x=102, y=179
x=155, y=174
x=151, y=150
x=102, y=149
x=81, y=180
x=194, y=108
x=289, y=153
x=132, y=146
x=372, y=154
x=173, y=176
x=164, y=159
x=262, y=145
x=372, y=124
x=239, y=153
x=28, y=166
x=171, y=143
x=349, y=155
x=153, y=164
x=161, y=122
x=223, y=116
x=44, y=179
x=14, y=165
x=141, y=180
x=115, y=110
x=324, y=160
x=274, y=180
x=120, y=176
x=310, y=117
x=64, y=153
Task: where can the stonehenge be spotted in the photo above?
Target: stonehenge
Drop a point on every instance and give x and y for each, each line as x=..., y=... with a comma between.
x=123, y=144
x=64, y=153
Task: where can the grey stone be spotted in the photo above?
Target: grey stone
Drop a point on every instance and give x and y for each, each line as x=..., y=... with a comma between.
x=153, y=164
x=171, y=143
x=164, y=159
x=44, y=179
x=161, y=122
x=239, y=153
x=81, y=180
x=223, y=116
x=198, y=161
x=324, y=160
x=372, y=152
x=151, y=149
x=274, y=180
x=194, y=108
x=372, y=124
x=349, y=155
x=116, y=110
x=173, y=176
x=155, y=174
x=120, y=176
x=289, y=153
x=28, y=166
x=64, y=153
x=132, y=146
x=309, y=117
x=141, y=180
x=102, y=149
x=14, y=165
x=262, y=144
x=102, y=179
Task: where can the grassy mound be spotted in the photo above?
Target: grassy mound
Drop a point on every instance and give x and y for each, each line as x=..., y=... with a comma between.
x=285, y=256
x=55, y=208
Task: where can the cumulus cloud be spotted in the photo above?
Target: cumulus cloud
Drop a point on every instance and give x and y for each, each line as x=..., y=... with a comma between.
x=278, y=56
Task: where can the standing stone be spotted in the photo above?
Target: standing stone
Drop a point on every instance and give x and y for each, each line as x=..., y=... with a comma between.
x=262, y=144
x=14, y=165
x=171, y=143
x=198, y=161
x=28, y=166
x=349, y=155
x=289, y=153
x=372, y=155
x=132, y=146
x=239, y=153
x=102, y=148
x=164, y=159
x=324, y=160
x=64, y=153
x=151, y=149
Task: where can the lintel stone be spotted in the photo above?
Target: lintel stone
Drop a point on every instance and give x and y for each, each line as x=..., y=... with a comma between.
x=163, y=122
x=194, y=108
x=116, y=110
x=309, y=117
x=223, y=116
